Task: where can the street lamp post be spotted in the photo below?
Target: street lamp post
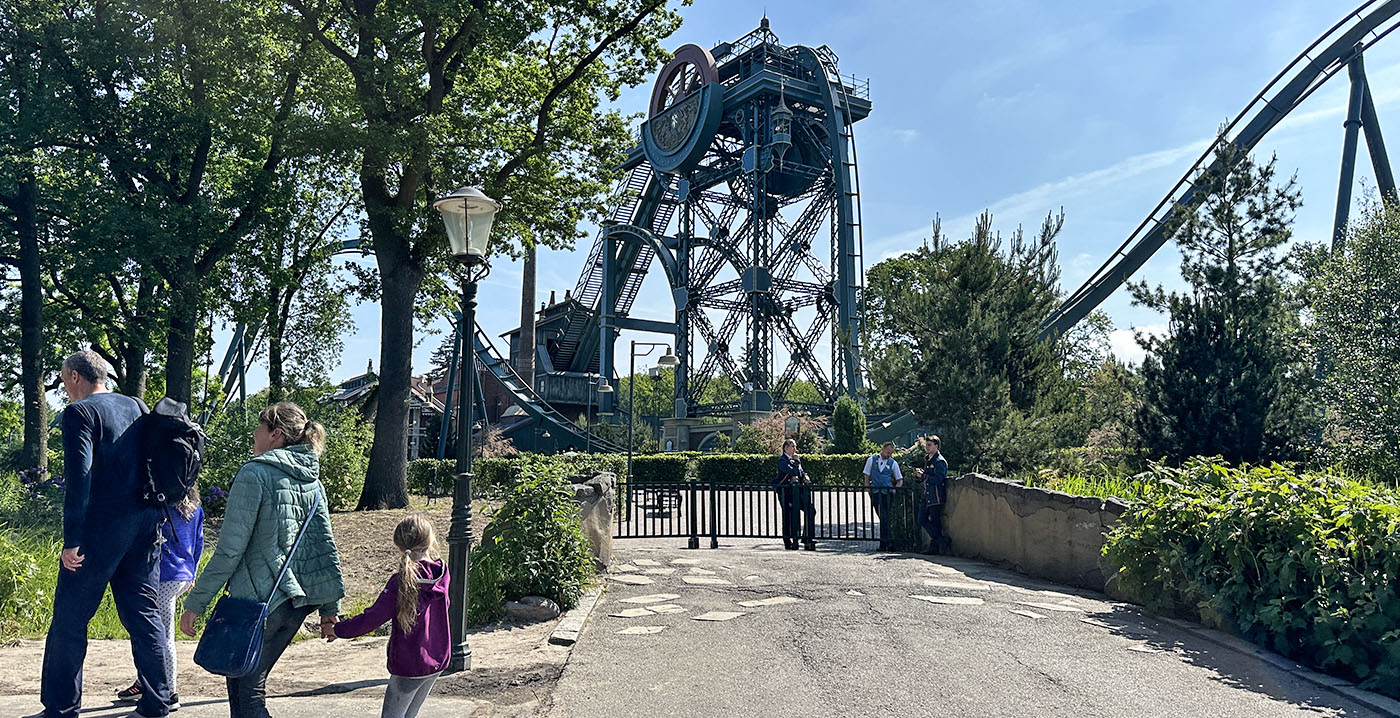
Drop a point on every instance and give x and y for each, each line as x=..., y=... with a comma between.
x=603, y=388
x=468, y=214
x=668, y=360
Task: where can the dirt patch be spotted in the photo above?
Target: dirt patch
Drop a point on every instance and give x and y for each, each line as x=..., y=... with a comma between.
x=514, y=667
x=365, y=540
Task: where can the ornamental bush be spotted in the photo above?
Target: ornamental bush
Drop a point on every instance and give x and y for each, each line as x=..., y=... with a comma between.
x=534, y=546
x=1304, y=564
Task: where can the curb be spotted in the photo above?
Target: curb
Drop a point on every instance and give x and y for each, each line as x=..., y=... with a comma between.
x=566, y=633
x=1339, y=686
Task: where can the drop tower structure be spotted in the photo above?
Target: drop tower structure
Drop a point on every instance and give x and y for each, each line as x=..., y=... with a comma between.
x=743, y=189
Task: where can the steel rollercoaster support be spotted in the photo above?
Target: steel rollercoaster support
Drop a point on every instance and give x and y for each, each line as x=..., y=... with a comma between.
x=1339, y=48
x=751, y=154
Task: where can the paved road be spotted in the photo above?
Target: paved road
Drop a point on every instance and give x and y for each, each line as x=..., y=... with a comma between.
x=859, y=643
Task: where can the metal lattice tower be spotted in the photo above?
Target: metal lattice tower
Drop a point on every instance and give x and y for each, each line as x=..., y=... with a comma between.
x=744, y=189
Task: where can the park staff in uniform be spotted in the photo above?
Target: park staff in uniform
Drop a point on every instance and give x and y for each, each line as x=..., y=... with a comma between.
x=882, y=475
x=794, y=489
x=110, y=537
x=934, y=473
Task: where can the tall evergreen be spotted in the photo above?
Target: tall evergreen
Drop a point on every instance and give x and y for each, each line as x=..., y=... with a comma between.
x=1227, y=378
x=951, y=334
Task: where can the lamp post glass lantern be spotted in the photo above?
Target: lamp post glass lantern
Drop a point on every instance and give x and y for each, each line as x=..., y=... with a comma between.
x=467, y=215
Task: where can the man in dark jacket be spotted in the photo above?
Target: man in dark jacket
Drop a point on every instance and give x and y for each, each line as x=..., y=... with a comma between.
x=935, y=476
x=110, y=536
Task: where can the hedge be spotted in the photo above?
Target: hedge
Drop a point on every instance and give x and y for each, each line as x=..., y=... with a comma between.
x=661, y=468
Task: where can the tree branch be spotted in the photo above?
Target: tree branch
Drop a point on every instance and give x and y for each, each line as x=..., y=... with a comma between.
x=547, y=106
x=318, y=31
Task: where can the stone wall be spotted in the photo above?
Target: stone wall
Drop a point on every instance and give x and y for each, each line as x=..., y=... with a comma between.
x=1034, y=531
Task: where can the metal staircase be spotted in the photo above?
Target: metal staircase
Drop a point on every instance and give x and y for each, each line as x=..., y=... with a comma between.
x=532, y=403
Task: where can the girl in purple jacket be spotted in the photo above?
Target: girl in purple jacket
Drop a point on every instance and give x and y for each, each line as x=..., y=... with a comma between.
x=415, y=600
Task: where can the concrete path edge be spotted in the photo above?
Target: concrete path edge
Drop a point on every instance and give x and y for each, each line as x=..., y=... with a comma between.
x=1340, y=686
x=567, y=632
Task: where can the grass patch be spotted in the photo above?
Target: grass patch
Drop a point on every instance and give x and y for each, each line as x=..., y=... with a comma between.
x=1126, y=488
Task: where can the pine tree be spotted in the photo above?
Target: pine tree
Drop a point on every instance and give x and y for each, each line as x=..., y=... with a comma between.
x=848, y=425
x=1227, y=378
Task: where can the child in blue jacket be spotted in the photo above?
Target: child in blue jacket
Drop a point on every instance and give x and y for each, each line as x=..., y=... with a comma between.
x=182, y=543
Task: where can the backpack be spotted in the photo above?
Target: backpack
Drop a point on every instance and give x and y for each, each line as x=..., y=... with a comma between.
x=172, y=448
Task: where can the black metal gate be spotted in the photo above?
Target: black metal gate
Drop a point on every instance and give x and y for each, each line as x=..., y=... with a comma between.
x=714, y=510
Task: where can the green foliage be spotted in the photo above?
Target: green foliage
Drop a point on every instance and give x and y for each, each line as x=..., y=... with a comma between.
x=736, y=468
x=838, y=469
x=1229, y=377
x=661, y=467
x=346, y=457
x=230, y=445
x=1304, y=564
x=1355, y=300
x=493, y=478
x=848, y=426
x=431, y=477
x=533, y=547
x=952, y=334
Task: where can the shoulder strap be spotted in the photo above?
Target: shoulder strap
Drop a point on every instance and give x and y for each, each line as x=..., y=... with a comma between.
x=315, y=504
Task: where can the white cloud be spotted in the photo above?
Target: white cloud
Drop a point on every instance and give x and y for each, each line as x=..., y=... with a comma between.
x=906, y=137
x=1123, y=342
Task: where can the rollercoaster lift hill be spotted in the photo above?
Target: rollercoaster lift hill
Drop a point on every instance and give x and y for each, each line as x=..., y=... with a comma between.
x=1341, y=47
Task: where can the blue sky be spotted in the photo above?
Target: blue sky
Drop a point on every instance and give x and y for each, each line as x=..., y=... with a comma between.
x=1023, y=108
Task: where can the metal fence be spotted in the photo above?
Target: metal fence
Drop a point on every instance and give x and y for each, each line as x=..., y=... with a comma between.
x=714, y=510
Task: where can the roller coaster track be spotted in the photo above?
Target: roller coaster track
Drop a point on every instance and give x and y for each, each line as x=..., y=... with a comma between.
x=1322, y=60
x=532, y=403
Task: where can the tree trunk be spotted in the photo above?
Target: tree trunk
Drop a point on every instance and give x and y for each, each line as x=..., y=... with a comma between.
x=386, y=485
x=525, y=359
x=134, y=362
x=36, y=409
x=184, y=323
x=276, y=385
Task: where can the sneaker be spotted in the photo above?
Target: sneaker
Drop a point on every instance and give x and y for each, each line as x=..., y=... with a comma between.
x=174, y=704
x=130, y=694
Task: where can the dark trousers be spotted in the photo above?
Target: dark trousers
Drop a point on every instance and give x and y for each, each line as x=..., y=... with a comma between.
x=930, y=516
x=880, y=501
x=122, y=551
x=796, y=503
x=247, y=696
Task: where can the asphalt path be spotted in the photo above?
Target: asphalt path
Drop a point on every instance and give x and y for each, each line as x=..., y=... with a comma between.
x=859, y=641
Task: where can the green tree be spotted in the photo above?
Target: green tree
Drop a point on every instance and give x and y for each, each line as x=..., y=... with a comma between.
x=848, y=426
x=1355, y=302
x=288, y=284
x=951, y=333
x=430, y=96
x=1227, y=378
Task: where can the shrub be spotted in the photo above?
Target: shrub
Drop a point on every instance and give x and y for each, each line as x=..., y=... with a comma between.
x=736, y=468
x=1305, y=564
x=428, y=477
x=842, y=469
x=848, y=426
x=22, y=595
x=346, y=458
x=660, y=468
x=533, y=547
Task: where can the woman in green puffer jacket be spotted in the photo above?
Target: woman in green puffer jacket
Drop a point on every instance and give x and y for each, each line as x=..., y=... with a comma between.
x=270, y=498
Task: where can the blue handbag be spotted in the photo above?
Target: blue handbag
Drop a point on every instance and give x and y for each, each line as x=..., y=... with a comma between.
x=233, y=637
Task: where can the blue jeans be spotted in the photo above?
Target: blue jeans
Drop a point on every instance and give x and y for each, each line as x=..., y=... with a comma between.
x=128, y=558
x=930, y=516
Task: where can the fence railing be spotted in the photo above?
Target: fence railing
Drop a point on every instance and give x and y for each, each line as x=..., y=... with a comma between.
x=718, y=509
